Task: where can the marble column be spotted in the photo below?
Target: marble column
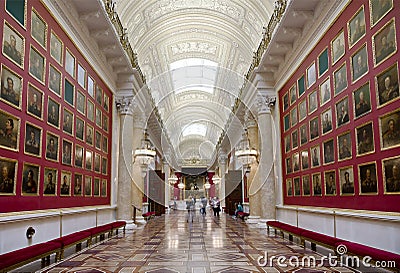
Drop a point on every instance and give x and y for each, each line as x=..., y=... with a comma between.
x=222, y=161
x=124, y=198
x=166, y=185
x=267, y=159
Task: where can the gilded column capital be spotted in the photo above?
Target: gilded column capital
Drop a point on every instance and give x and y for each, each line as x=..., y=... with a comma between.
x=124, y=105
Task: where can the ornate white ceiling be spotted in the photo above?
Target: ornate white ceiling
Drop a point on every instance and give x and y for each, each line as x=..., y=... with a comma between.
x=219, y=36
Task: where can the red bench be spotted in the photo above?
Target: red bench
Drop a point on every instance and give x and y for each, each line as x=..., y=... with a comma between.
x=73, y=239
x=243, y=215
x=148, y=215
x=354, y=249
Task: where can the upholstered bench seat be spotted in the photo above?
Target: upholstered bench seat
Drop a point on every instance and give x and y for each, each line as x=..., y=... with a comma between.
x=320, y=238
x=100, y=229
x=17, y=258
x=73, y=238
x=242, y=214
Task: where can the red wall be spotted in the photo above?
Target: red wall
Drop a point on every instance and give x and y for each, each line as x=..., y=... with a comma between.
x=382, y=200
x=23, y=202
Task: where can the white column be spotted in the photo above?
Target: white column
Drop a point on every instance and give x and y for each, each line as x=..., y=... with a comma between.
x=124, y=198
x=166, y=185
x=222, y=161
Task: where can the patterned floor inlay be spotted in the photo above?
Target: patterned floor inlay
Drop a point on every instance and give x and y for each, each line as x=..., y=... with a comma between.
x=169, y=244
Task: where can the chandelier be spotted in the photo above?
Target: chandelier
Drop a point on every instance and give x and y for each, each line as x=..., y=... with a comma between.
x=172, y=179
x=207, y=185
x=244, y=153
x=145, y=154
x=181, y=185
x=216, y=179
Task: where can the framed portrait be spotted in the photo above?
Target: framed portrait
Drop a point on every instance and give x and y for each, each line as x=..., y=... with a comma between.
x=312, y=102
x=326, y=118
x=90, y=86
x=330, y=182
x=340, y=79
x=65, y=187
x=362, y=100
x=11, y=87
x=78, y=184
x=316, y=184
x=365, y=139
x=293, y=116
x=99, y=94
x=97, y=162
x=296, y=182
x=13, y=45
x=384, y=42
x=30, y=179
x=68, y=121
x=301, y=85
x=80, y=128
x=293, y=94
x=38, y=28
x=98, y=117
x=98, y=140
x=36, y=64
x=104, y=166
x=295, y=139
x=325, y=91
x=390, y=130
x=289, y=187
x=323, y=62
x=303, y=134
x=96, y=187
x=70, y=63
x=56, y=48
x=78, y=162
x=50, y=181
x=54, y=80
x=90, y=110
x=359, y=63
x=103, y=189
x=368, y=178
x=81, y=102
x=356, y=27
x=81, y=76
x=387, y=85
x=304, y=160
x=302, y=110
x=342, y=112
x=17, y=9
x=89, y=134
x=329, y=152
x=105, y=144
x=8, y=178
x=66, y=152
x=338, y=47
x=346, y=178
x=296, y=162
x=315, y=156
x=33, y=140
x=286, y=122
x=311, y=75
x=106, y=102
x=69, y=92
x=378, y=9
x=9, y=131
x=287, y=143
x=289, y=165
x=105, y=123
x=52, y=146
x=285, y=101
x=306, y=185
x=88, y=160
x=88, y=186
x=391, y=175
x=344, y=146
x=34, y=102
x=53, y=113
x=314, y=128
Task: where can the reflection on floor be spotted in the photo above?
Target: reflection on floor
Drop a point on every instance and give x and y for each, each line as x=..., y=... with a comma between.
x=170, y=243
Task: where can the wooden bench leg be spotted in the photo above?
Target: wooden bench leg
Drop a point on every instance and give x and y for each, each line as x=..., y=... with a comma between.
x=78, y=247
x=313, y=247
x=291, y=237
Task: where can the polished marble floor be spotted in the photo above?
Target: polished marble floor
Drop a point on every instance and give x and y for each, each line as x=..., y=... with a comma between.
x=171, y=243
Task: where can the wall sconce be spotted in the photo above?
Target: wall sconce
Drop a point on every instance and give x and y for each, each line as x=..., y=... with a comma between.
x=30, y=232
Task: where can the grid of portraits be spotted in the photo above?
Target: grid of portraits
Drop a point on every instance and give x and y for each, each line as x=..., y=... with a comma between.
x=55, y=116
x=341, y=114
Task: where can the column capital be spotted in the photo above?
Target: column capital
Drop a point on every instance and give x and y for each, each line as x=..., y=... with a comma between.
x=124, y=105
x=265, y=103
x=222, y=158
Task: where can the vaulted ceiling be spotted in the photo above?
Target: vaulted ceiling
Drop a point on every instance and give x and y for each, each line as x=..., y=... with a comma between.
x=194, y=54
